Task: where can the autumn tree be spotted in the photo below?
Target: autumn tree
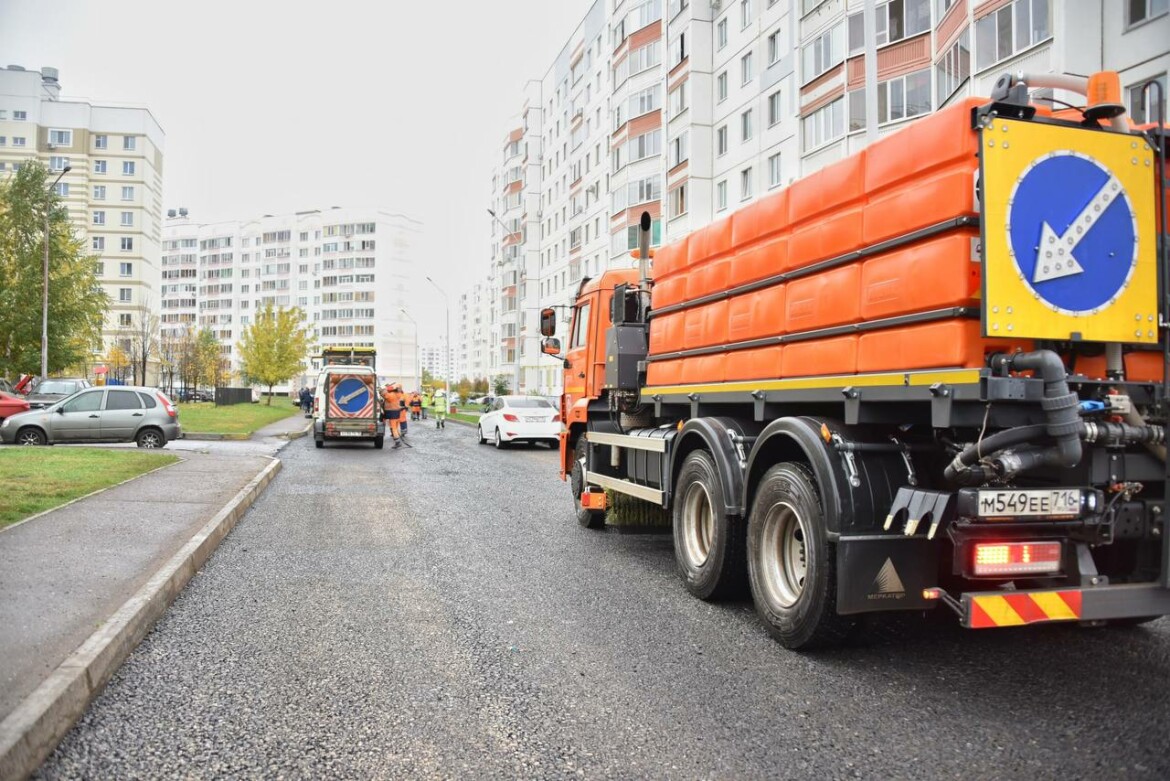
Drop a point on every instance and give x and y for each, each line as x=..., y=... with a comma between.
x=143, y=333
x=117, y=362
x=77, y=303
x=274, y=346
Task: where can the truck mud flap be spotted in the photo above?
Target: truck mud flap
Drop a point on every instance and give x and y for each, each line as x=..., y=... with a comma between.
x=876, y=573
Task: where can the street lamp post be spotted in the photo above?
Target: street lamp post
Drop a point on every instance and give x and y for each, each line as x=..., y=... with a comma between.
x=519, y=311
x=45, y=280
x=447, y=371
x=414, y=369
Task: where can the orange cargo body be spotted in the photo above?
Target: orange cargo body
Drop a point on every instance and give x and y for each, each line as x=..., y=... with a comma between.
x=828, y=189
x=664, y=372
x=929, y=275
x=834, y=234
x=945, y=344
x=935, y=141
x=837, y=355
x=760, y=260
x=704, y=368
x=705, y=326
x=944, y=195
x=669, y=291
x=709, y=277
x=759, y=363
x=824, y=299
x=756, y=315
x=1140, y=366
x=666, y=333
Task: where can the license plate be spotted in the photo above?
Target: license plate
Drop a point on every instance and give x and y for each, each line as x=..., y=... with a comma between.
x=535, y=420
x=1029, y=503
x=350, y=433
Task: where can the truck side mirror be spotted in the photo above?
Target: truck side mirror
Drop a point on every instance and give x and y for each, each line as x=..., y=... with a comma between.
x=548, y=322
x=550, y=345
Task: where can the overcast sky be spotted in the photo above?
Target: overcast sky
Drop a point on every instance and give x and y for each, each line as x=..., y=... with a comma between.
x=282, y=105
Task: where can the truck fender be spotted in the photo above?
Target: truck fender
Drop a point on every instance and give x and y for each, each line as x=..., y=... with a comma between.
x=857, y=489
x=722, y=438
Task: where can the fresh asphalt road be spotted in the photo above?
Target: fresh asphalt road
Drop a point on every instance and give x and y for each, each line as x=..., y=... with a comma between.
x=436, y=612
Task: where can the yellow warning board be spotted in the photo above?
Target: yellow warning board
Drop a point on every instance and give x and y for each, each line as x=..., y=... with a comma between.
x=1068, y=233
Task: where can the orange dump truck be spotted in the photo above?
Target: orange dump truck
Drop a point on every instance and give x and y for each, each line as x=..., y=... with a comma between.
x=931, y=373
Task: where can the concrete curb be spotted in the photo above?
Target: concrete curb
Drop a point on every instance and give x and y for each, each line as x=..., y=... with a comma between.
x=32, y=731
x=216, y=437
x=298, y=434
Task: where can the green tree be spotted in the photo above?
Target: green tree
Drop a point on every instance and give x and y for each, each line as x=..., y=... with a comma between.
x=501, y=385
x=207, y=358
x=479, y=386
x=77, y=303
x=274, y=346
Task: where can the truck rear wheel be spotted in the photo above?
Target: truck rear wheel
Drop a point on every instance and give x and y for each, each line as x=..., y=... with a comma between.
x=590, y=519
x=708, y=544
x=791, y=565
x=379, y=442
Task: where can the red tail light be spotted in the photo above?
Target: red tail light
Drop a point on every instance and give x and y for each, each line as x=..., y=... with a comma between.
x=170, y=408
x=1016, y=558
x=510, y=417
x=556, y=419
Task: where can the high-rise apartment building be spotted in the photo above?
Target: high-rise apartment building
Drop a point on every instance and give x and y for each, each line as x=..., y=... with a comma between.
x=711, y=104
x=473, y=332
x=347, y=269
x=112, y=191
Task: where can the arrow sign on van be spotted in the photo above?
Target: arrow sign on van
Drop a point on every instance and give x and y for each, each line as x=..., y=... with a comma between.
x=1055, y=256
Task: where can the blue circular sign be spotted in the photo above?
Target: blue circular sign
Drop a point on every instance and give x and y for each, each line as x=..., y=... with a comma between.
x=1072, y=233
x=351, y=395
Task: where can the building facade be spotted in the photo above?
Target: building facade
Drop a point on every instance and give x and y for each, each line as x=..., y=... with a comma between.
x=691, y=109
x=113, y=190
x=348, y=269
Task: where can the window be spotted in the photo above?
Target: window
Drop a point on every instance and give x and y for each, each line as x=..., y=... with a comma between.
x=857, y=109
x=773, y=47
x=3, y=140
x=954, y=68
x=127, y=244
x=721, y=87
x=745, y=184
x=678, y=148
x=1011, y=29
x=62, y=189
x=721, y=140
x=721, y=195
x=99, y=268
x=745, y=68
x=745, y=125
x=944, y=6
x=775, y=108
x=125, y=320
x=129, y=142
x=643, y=191
x=1142, y=10
x=60, y=137
x=774, y=170
x=122, y=399
x=18, y=140
x=824, y=52
x=85, y=402
x=98, y=243
x=127, y=168
x=125, y=269
x=679, y=50
x=127, y=193
x=745, y=13
x=721, y=33
x=678, y=201
x=101, y=142
x=581, y=326
x=904, y=96
x=1138, y=110
x=637, y=61
x=99, y=166
x=99, y=192
x=678, y=99
x=125, y=295
x=824, y=125
x=644, y=102
x=128, y=219
x=20, y=116
x=99, y=218
x=893, y=21
x=632, y=232
x=646, y=145
x=58, y=163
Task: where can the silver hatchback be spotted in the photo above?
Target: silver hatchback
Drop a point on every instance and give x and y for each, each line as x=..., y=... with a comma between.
x=121, y=413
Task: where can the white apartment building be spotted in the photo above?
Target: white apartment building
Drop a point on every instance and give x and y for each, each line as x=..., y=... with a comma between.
x=715, y=103
x=473, y=332
x=113, y=188
x=348, y=269
x=433, y=358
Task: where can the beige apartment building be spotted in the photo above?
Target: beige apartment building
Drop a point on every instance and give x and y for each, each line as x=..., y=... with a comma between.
x=112, y=191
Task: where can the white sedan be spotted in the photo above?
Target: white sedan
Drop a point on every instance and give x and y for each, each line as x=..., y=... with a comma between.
x=520, y=419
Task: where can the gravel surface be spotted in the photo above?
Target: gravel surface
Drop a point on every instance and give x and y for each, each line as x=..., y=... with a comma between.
x=437, y=612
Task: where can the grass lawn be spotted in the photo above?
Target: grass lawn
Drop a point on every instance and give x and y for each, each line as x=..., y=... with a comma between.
x=34, y=479
x=466, y=417
x=206, y=418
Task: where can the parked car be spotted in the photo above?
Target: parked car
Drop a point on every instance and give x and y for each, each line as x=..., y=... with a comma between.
x=119, y=413
x=520, y=419
x=53, y=390
x=10, y=404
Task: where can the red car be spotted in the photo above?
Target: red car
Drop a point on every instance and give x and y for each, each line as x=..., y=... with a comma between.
x=11, y=404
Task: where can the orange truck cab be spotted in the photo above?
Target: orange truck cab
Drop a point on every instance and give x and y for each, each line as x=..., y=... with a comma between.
x=932, y=373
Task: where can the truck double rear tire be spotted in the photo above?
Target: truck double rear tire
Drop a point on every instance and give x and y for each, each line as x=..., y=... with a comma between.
x=589, y=519
x=792, y=566
x=708, y=543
